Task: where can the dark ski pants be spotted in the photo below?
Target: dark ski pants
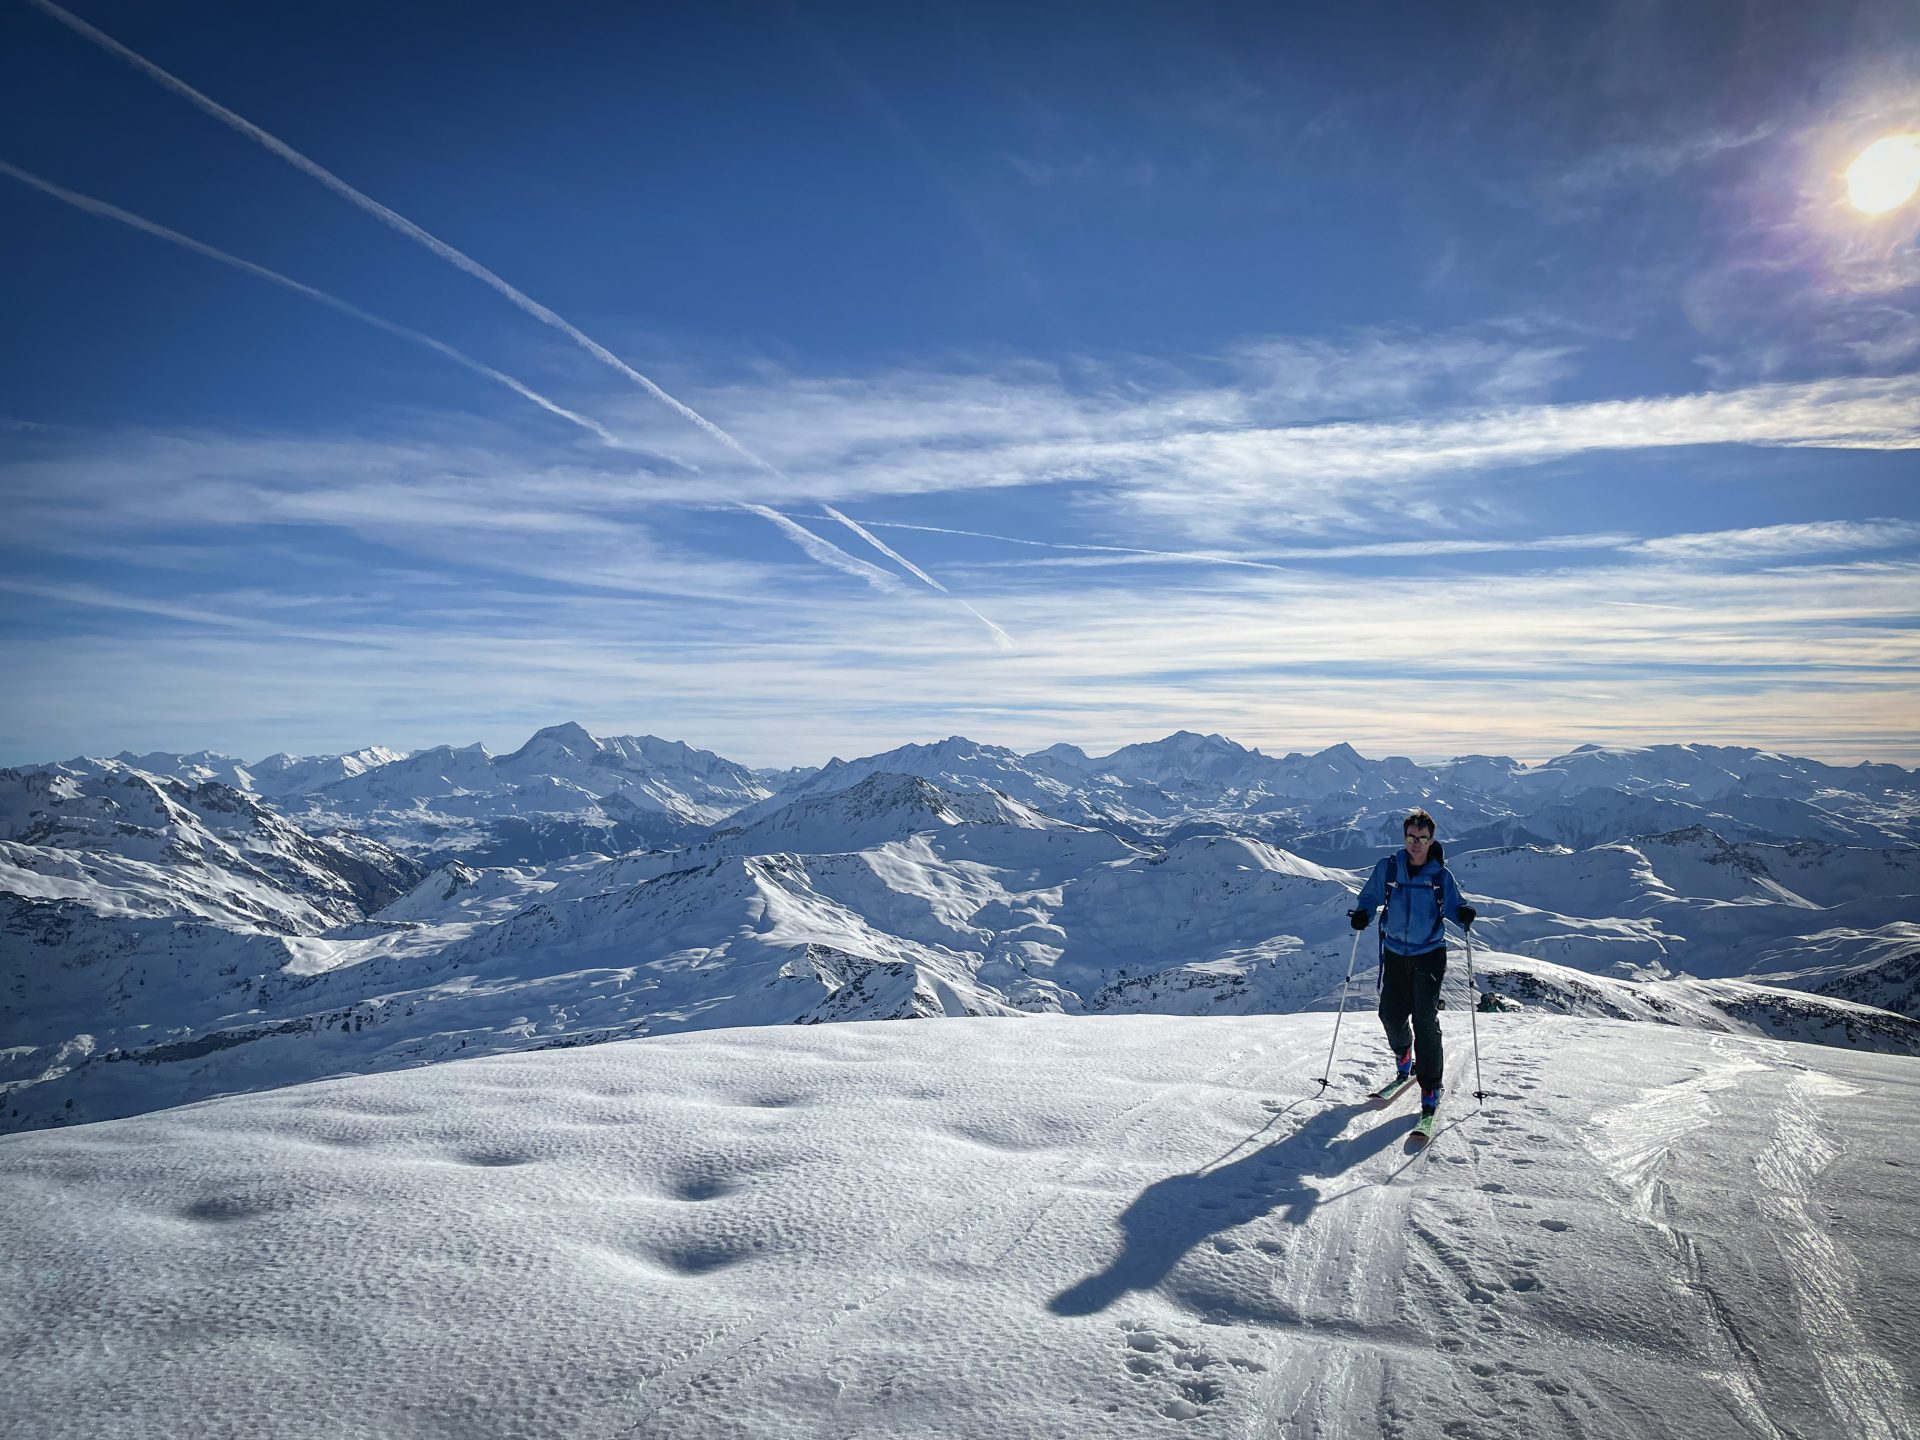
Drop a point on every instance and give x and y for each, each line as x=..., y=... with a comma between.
x=1410, y=1010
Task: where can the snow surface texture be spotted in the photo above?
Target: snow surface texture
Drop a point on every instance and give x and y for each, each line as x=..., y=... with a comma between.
x=1114, y=1226
x=167, y=939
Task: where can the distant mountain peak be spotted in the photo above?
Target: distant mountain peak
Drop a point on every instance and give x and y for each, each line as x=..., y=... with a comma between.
x=1194, y=740
x=570, y=736
x=1061, y=751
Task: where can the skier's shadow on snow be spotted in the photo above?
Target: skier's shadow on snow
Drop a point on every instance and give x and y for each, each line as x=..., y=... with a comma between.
x=1172, y=1216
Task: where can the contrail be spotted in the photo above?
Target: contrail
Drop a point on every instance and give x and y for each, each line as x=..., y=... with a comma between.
x=1068, y=545
x=1000, y=637
x=1606, y=540
x=812, y=544
x=173, y=237
x=374, y=207
x=825, y=551
x=883, y=548
x=819, y=548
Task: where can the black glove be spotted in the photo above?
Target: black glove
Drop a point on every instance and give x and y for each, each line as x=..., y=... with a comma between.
x=1467, y=916
x=1359, y=918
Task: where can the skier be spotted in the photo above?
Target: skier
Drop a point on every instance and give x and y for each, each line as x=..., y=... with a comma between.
x=1417, y=889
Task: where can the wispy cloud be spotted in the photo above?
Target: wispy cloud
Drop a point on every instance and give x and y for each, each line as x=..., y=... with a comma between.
x=822, y=550
x=1139, y=464
x=1193, y=458
x=1767, y=541
x=1523, y=664
x=101, y=597
x=1270, y=557
x=1626, y=164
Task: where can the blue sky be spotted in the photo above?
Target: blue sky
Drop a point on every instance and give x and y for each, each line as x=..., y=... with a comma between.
x=1444, y=379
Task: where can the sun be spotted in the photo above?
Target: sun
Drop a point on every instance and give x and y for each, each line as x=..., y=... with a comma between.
x=1886, y=175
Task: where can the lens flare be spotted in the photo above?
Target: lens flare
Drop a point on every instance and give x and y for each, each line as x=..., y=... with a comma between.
x=1886, y=175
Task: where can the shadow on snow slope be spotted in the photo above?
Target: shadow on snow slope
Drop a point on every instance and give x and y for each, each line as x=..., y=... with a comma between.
x=1174, y=1216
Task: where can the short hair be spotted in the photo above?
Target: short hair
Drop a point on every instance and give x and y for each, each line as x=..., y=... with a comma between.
x=1417, y=817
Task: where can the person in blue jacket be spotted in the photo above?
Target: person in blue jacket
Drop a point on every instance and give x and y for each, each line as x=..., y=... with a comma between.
x=1417, y=889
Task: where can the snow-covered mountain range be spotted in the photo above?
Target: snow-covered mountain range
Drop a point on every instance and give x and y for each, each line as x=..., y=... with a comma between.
x=180, y=926
x=562, y=793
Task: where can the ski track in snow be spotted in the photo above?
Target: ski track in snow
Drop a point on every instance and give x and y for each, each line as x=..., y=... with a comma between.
x=1395, y=1303
x=1858, y=1383
x=1637, y=1144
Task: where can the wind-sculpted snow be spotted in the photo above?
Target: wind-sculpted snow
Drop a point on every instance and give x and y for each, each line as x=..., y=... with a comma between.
x=1123, y=1226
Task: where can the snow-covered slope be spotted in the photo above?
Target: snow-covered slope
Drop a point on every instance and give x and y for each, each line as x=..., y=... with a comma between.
x=126, y=844
x=276, y=776
x=127, y=900
x=1691, y=901
x=1117, y=1227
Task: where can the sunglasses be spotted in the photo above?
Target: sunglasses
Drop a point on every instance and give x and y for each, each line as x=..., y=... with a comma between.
x=1413, y=839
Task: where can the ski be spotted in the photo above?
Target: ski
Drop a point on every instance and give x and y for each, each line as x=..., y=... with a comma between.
x=1423, y=1130
x=1390, y=1091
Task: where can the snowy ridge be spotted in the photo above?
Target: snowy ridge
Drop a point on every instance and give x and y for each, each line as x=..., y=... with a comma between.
x=125, y=843
x=1007, y=1228
x=562, y=792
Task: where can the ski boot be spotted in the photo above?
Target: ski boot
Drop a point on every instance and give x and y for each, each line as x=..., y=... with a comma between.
x=1429, y=1108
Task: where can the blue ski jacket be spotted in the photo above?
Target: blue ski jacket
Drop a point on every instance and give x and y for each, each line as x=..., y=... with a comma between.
x=1415, y=901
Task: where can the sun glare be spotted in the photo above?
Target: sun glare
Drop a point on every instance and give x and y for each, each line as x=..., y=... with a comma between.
x=1886, y=174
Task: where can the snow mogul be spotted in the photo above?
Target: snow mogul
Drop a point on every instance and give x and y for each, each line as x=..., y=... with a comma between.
x=1417, y=892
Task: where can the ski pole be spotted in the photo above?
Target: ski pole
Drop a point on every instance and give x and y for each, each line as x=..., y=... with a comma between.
x=1473, y=989
x=1341, y=1014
